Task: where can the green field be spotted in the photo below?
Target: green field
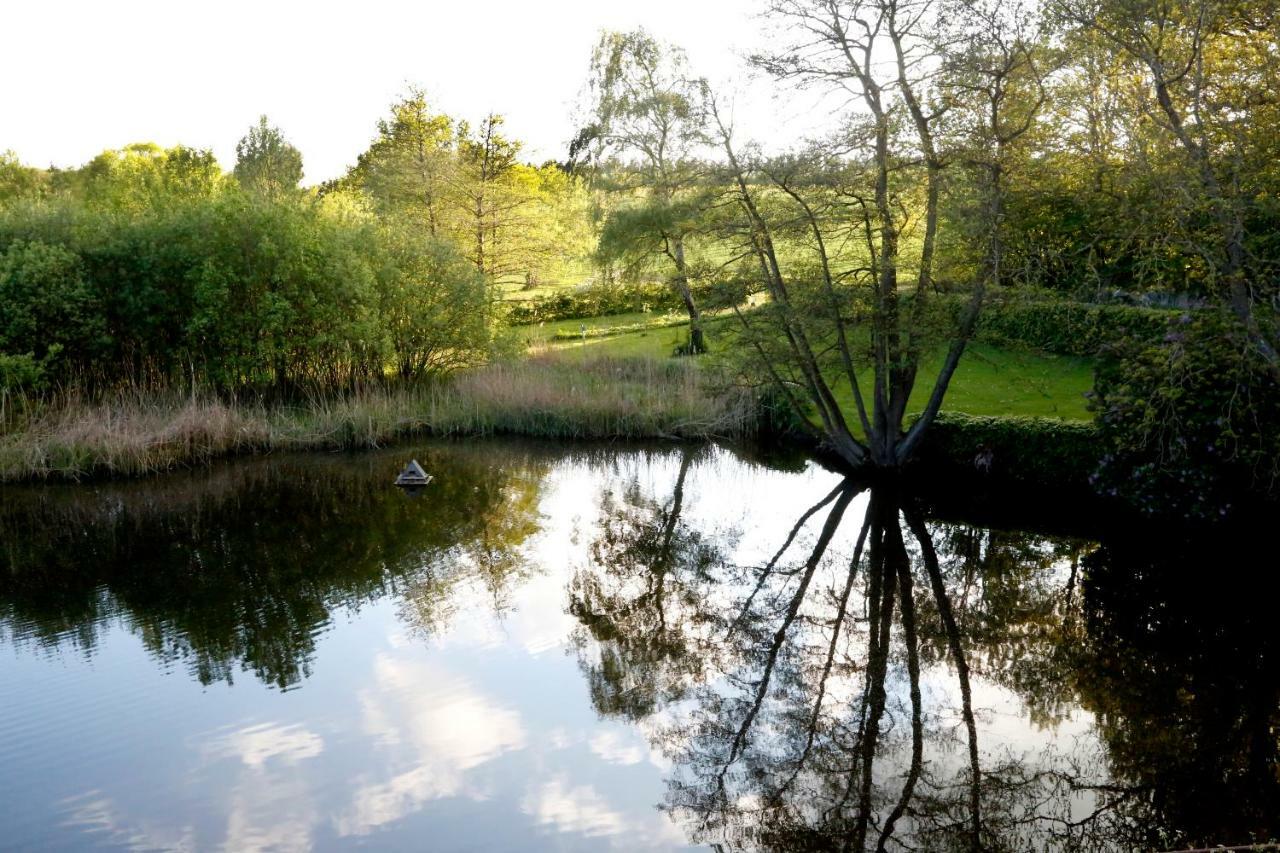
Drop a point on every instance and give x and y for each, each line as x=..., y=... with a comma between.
x=989, y=381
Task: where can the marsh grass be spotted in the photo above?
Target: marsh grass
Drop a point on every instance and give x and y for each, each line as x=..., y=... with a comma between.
x=138, y=431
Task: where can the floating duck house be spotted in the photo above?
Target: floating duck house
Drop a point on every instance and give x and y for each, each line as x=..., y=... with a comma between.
x=413, y=478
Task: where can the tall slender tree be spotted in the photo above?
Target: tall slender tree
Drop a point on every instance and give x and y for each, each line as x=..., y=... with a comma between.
x=647, y=109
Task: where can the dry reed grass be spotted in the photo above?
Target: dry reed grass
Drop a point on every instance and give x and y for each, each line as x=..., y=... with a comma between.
x=140, y=431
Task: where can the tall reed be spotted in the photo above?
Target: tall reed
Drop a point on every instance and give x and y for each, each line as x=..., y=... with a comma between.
x=136, y=431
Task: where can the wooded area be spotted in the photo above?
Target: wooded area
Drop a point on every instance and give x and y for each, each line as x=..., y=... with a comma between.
x=988, y=153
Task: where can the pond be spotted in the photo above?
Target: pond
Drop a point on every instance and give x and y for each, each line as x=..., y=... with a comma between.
x=631, y=648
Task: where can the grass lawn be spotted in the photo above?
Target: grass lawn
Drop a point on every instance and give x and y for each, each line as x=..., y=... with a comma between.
x=994, y=381
x=989, y=381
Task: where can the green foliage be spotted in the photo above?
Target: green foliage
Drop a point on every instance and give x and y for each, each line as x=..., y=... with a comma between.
x=142, y=177
x=50, y=313
x=265, y=162
x=1045, y=322
x=434, y=306
x=25, y=371
x=235, y=290
x=643, y=101
x=18, y=181
x=649, y=115
x=410, y=165
x=594, y=301
x=1064, y=326
x=279, y=291
x=1188, y=423
x=1090, y=241
x=517, y=223
x=1036, y=451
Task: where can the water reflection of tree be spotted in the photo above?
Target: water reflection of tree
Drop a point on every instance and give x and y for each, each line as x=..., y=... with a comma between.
x=240, y=568
x=808, y=727
x=488, y=552
x=813, y=745
x=644, y=614
x=765, y=755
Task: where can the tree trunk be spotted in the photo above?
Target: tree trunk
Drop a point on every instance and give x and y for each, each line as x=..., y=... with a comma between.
x=697, y=343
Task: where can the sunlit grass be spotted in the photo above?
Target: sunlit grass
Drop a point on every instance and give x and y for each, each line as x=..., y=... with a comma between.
x=989, y=381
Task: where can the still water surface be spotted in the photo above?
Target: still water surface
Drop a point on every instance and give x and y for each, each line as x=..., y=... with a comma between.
x=632, y=649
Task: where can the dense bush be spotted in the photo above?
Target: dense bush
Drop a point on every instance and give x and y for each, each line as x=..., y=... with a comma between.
x=1190, y=422
x=1052, y=324
x=1066, y=327
x=233, y=290
x=1038, y=451
x=24, y=372
x=49, y=312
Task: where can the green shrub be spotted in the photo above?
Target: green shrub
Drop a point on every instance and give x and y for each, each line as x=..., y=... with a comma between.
x=1039, y=321
x=596, y=300
x=1039, y=451
x=233, y=291
x=1055, y=325
x=1189, y=423
x=1066, y=327
x=49, y=310
x=23, y=371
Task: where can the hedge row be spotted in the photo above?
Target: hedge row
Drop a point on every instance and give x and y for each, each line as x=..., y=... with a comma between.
x=1038, y=451
x=597, y=300
x=1065, y=327
x=1071, y=328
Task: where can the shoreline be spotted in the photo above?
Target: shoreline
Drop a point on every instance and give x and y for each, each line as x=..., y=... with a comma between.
x=138, y=433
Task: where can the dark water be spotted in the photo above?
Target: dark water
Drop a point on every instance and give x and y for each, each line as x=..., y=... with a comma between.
x=598, y=649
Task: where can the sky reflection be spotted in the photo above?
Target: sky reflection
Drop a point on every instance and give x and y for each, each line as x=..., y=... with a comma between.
x=537, y=655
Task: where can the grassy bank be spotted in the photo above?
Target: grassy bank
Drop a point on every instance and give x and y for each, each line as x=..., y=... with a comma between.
x=139, y=432
x=991, y=380
x=612, y=385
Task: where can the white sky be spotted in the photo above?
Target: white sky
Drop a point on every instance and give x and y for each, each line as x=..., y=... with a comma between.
x=79, y=76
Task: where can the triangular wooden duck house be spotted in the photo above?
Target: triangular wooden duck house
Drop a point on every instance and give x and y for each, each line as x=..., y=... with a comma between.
x=413, y=476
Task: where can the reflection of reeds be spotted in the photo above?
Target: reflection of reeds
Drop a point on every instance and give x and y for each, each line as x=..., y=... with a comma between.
x=140, y=431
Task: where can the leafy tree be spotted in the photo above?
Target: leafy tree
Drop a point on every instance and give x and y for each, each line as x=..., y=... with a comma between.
x=18, y=181
x=647, y=108
x=515, y=222
x=140, y=177
x=410, y=167
x=489, y=200
x=1204, y=61
x=832, y=313
x=434, y=306
x=265, y=162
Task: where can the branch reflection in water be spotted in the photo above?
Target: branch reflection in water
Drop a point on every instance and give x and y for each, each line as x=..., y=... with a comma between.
x=826, y=699
x=240, y=568
x=857, y=668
